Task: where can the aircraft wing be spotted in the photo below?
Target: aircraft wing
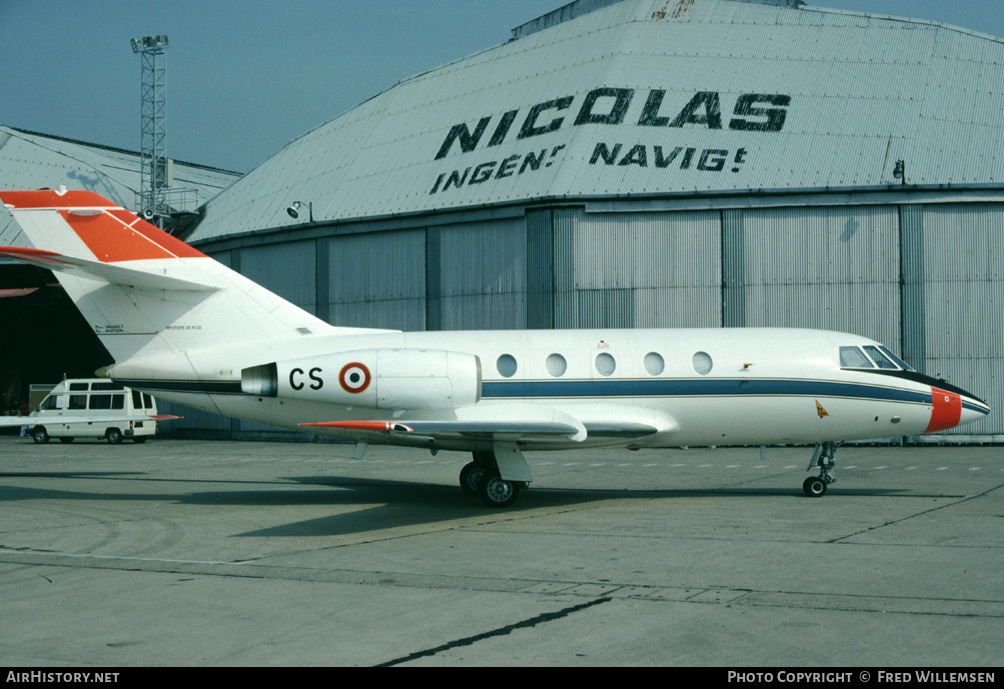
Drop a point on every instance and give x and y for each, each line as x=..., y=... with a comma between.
x=515, y=423
x=522, y=430
x=512, y=422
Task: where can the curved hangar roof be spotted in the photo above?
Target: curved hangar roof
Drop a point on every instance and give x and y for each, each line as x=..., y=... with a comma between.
x=29, y=160
x=650, y=97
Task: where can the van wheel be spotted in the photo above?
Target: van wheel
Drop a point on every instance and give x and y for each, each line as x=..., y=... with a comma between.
x=114, y=436
x=66, y=440
x=40, y=435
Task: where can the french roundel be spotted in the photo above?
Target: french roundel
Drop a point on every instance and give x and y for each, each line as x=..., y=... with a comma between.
x=354, y=377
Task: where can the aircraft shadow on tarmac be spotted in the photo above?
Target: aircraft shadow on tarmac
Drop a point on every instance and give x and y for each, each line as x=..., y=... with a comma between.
x=383, y=503
x=387, y=504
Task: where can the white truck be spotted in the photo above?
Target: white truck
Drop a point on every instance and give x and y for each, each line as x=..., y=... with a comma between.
x=94, y=408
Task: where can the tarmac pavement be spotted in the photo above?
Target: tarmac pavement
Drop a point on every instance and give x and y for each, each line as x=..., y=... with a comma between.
x=214, y=553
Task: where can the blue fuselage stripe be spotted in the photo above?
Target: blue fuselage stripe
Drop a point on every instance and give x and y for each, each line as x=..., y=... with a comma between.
x=695, y=388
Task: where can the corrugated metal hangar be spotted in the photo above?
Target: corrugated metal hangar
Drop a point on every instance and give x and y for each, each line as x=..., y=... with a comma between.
x=658, y=163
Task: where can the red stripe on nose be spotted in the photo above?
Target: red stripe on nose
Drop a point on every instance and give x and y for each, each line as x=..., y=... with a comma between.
x=946, y=411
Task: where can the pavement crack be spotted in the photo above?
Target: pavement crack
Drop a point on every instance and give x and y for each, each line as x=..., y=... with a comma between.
x=921, y=513
x=501, y=631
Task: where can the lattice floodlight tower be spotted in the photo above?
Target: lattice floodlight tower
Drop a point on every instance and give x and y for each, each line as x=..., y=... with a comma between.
x=154, y=166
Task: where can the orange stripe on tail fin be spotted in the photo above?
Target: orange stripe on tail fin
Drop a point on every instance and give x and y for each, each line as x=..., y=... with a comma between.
x=112, y=233
x=111, y=241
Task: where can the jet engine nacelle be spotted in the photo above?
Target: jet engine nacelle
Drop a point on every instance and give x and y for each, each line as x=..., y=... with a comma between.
x=377, y=378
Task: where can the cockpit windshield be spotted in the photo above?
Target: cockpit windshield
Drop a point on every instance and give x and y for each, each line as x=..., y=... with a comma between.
x=899, y=362
x=878, y=357
x=871, y=356
x=852, y=357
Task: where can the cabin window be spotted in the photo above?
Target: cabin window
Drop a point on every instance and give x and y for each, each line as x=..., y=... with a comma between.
x=78, y=402
x=506, y=365
x=605, y=364
x=654, y=363
x=118, y=401
x=78, y=387
x=556, y=365
x=880, y=359
x=852, y=357
x=148, y=401
x=702, y=363
x=137, y=399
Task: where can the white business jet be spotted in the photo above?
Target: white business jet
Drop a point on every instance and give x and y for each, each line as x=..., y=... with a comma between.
x=186, y=328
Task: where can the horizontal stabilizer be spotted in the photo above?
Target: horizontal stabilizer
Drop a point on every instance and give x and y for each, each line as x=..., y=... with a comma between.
x=8, y=421
x=115, y=274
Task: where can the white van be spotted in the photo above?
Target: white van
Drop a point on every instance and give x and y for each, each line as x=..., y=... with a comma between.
x=94, y=408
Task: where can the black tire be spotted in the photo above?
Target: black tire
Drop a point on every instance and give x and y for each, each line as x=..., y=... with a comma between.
x=496, y=492
x=139, y=441
x=66, y=440
x=114, y=436
x=40, y=435
x=814, y=487
x=470, y=477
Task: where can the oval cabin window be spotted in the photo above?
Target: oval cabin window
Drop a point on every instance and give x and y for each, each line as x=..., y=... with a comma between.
x=506, y=365
x=605, y=364
x=654, y=363
x=556, y=365
x=702, y=363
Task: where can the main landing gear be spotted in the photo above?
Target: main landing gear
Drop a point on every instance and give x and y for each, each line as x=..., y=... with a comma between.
x=815, y=486
x=496, y=476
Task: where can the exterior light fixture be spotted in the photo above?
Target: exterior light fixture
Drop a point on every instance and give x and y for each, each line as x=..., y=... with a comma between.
x=899, y=171
x=294, y=210
x=148, y=43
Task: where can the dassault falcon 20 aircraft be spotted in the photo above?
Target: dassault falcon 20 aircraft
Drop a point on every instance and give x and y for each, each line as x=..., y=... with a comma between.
x=186, y=328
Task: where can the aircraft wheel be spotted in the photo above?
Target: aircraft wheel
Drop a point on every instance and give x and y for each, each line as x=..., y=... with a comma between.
x=66, y=440
x=814, y=487
x=470, y=477
x=40, y=435
x=139, y=441
x=495, y=492
x=114, y=436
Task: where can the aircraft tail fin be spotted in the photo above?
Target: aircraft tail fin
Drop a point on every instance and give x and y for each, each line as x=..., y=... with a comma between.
x=143, y=291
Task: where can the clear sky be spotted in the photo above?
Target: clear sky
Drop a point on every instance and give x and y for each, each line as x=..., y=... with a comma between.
x=245, y=77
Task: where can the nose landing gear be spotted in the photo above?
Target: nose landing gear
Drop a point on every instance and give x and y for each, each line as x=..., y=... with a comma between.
x=815, y=486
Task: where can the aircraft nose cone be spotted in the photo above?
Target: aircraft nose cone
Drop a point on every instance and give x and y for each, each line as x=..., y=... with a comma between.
x=973, y=409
